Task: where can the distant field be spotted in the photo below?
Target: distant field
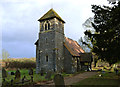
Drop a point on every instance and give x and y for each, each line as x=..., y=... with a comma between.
x=13, y=63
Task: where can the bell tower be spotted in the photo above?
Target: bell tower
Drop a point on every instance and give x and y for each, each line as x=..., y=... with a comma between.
x=49, y=46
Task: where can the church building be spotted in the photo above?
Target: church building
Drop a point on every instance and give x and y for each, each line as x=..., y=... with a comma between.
x=54, y=51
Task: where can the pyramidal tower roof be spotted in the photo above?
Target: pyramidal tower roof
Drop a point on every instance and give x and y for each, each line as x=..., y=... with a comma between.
x=51, y=14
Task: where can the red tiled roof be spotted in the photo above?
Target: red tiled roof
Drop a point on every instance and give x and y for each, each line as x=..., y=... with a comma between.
x=73, y=47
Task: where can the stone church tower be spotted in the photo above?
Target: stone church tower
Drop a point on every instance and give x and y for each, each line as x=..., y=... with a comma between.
x=54, y=51
x=49, y=46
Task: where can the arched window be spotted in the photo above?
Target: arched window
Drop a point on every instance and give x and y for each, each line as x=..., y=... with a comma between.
x=46, y=26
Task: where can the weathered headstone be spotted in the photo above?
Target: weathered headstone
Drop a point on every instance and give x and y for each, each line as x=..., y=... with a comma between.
x=4, y=73
x=48, y=75
x=99, y=70
x=41, y=72
x=12, y=73
x=30, y=71
x=59, y=80
x=11, y=81
x=116, y=71
x=103, y=71
x=23, y=79
x=17, y=74
x=31, y=78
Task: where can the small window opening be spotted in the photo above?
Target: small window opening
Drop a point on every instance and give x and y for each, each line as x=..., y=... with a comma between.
x=45, y=26
x=47, y=58
x=48, y=26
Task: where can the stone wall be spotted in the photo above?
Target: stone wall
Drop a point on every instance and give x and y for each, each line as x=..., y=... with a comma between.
x=37, y=60
x=59, y=38
x=50, y=46
x=67, y=61
x=74, y=64
x=46, y=46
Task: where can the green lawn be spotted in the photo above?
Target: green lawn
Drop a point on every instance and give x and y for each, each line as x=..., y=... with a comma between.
x=107, y=80
x=24, y=72
x=98, y=81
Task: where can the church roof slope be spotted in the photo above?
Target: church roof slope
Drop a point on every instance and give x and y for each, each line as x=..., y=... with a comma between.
x=51, y=14
x=86, y=57
x=73, y=47
x=36, y=43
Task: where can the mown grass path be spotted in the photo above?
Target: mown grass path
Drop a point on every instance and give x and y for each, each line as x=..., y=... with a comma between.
x=71, y=79
x=78, y=77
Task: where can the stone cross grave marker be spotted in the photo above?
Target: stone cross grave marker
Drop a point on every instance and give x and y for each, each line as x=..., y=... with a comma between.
x=17, y=74
x=48, y=75
x=4, y=73
x=30, y=71
x=59, y=80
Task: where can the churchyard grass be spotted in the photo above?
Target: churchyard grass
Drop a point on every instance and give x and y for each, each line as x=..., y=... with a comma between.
x=106, y=79
x=23, y=64
x=36, y=77
x=24, y=72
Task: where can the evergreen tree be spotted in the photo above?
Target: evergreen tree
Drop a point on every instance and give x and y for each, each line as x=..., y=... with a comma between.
x=106, y=39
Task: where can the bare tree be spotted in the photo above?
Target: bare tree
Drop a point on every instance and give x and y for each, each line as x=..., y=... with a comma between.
x=5, y=54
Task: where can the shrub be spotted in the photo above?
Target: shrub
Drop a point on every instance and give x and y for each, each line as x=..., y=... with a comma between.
x=20, y=63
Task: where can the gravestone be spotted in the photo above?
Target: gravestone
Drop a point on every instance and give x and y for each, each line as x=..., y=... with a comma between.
x=17, y=74
x=30, y=71
x=41, y=72
x=4, y=73
x=99, y=70
x=31, y=78
x=11, y=82
x=23, y=79
x=12, y=73
x=59, y=80
x=48, y=75
x=103, y=71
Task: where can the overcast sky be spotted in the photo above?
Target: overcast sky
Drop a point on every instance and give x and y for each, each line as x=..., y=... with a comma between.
x=20, y=28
